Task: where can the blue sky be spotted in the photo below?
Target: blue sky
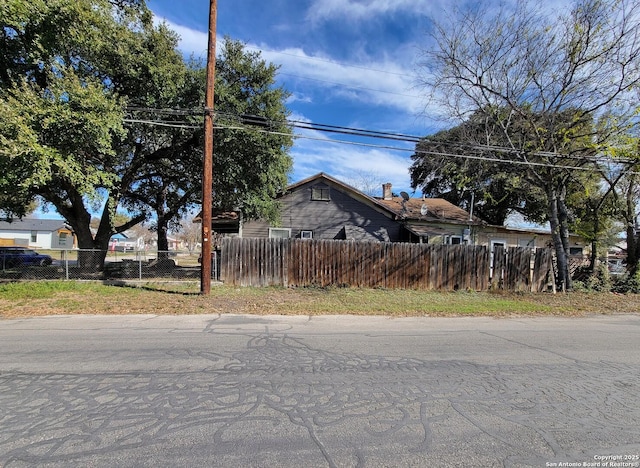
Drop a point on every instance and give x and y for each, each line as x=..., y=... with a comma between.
x=346, y=62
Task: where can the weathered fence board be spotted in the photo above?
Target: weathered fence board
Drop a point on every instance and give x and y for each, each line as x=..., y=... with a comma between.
x=542, y=270
x=298, y=262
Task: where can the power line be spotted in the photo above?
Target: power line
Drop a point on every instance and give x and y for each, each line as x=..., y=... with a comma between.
x=161, y=123
x=359, y=132
x=382, y=135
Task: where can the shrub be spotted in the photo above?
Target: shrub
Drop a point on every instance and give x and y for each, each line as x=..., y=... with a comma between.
x=599, y=280
x=627, y=284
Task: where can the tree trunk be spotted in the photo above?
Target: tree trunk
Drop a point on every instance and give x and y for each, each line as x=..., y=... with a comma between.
x=556, y=236
x=633, y=240
x=633, y=249
x=563, y=218
x=92, y=253
x=163, y=242
x=92, y=249
x=593, y=259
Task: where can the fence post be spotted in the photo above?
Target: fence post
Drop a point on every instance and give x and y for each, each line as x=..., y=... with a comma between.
x=214, y=264
x=66, y=264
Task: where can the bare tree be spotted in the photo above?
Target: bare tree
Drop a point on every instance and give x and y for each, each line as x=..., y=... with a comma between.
x=142, y=231
x=190, y=233
x=626, y=191
x=367, y=182
x=546, y=81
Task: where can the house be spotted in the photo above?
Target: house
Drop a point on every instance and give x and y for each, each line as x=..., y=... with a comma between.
x=528, y=237
x=37, y=233
x=322, y=207
x=122, y=242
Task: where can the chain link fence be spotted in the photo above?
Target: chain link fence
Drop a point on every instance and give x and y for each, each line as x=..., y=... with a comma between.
x=130, y=265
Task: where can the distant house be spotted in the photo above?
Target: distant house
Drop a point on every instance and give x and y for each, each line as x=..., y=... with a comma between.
x=37, y=233
x=122, y=242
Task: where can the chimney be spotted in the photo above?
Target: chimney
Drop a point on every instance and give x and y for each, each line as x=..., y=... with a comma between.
x=386, y=191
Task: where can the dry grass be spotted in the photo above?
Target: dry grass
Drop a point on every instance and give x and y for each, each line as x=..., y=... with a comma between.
x=57, y=298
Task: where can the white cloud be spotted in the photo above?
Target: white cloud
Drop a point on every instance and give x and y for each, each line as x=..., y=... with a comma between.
x=379, y=82
x=355, y=81
x=297, y=97
x=192, y=41
x=382, y=82
x=319, y=153
x=357, y=10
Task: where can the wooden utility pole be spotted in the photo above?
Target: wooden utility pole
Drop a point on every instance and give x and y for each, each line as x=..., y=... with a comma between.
x=207, y=165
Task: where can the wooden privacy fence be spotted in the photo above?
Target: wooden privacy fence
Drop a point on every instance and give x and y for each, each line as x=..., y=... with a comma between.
x=307, y=262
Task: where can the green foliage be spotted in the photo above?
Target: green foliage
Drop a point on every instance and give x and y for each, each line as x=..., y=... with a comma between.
x=63, y=132
x=70, y=70
x=69, y=66
x=499, y=189
x=627, y=284
x=597, y=281
x=251, y=165
x=541, y=84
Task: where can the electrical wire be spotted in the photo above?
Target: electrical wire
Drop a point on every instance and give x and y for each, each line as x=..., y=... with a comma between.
x=378, y=146
x=163, y=124
x=351, y=131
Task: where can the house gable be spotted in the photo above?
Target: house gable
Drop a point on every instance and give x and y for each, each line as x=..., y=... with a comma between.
x=322, y=207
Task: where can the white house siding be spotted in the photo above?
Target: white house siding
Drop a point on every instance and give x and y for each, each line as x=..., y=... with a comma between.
x=17, y=238
x=525, y=238
x=36, y=233
x=44, y=240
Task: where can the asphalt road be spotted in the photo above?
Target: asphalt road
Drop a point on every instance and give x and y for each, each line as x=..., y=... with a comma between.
x=231, y=390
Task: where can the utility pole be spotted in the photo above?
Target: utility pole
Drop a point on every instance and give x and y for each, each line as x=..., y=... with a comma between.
x=207, y=165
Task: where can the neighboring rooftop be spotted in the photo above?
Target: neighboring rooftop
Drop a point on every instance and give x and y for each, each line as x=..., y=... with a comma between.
x=33, y=224
x=427, y=209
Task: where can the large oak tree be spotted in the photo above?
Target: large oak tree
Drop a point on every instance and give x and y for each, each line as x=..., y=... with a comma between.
x=545, y=80
x=71, y=71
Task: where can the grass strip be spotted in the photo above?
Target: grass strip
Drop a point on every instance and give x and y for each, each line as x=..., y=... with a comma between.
x=69, y=297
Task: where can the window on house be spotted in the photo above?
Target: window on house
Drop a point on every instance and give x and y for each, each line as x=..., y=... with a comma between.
x=306, y=234
x=62, y=239
x=498, y=243
x=455, y=240
x=320, y=193
x=526, y=243
x=575, y=250
x=279, y=233
x=34, y=236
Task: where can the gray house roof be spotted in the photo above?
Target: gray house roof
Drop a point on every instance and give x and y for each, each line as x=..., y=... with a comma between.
x=413, y=209
x=33, y=224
